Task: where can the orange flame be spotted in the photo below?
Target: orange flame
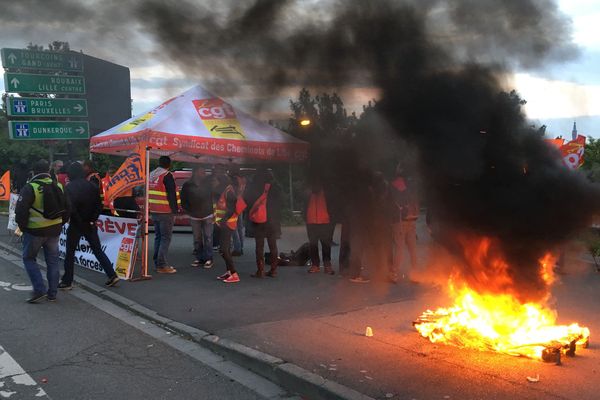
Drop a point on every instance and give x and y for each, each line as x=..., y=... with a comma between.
x=498, y=322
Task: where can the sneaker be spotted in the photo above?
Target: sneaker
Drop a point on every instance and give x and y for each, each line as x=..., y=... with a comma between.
x=65, y=286
x=166, y=270
x=224, y=276
x=233, y=278
x=112, y=281
x=215, y=248
x=36, y=297
x=314, y=269
x=196, y=263
x=208, y=264
x=359, y=279
x=328, y=270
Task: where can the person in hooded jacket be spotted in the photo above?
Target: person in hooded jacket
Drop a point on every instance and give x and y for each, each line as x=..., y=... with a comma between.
x=85, y=208
x=269, y=227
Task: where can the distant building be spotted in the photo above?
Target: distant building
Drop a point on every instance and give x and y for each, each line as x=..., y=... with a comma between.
x=574, y=132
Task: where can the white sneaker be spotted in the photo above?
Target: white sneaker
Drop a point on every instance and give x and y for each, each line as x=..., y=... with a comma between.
x=208, y=264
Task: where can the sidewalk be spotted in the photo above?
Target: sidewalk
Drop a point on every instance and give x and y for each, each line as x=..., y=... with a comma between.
x=318, y=322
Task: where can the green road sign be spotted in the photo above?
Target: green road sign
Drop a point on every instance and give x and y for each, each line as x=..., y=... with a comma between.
x=19, y=58
x=37, y=83
x=44, y=107
x=38, y=130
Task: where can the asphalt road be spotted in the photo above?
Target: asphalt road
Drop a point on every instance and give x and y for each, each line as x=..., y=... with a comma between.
x=318, y=322
x=71, y=350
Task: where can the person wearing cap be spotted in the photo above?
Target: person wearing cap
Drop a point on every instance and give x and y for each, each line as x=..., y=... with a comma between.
x=39, y=233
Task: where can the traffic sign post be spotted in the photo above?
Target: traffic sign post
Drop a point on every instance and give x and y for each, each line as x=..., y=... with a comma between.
x=46, y=107
x=43, y=130
x=47, y=60
x=50, y=84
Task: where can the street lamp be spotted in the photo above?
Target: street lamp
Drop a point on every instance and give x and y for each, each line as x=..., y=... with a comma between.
x=305, y=122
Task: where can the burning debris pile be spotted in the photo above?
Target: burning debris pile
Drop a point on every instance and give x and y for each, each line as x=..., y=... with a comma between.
x=499, y=197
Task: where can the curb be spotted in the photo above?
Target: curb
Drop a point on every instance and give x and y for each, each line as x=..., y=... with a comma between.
x=288, y=375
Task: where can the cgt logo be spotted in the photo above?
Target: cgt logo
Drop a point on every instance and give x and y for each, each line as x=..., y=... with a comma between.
x=213, y=109
x=3, y=190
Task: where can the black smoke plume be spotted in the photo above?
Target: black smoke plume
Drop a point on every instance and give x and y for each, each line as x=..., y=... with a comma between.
x=439, y=66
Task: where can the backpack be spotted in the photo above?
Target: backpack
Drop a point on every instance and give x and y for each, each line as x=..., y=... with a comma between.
x=54, y=200
x=258, y=212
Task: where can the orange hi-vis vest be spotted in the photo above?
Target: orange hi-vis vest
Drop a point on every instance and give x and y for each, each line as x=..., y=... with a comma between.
x=158, y=202
x=316, y=212
x=221, y=209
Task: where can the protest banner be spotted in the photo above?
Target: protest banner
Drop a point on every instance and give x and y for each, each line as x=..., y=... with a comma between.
x=118, y=238
x=12, y=206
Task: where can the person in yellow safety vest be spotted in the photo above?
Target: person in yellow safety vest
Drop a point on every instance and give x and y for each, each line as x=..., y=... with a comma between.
x=39, y=231
x=226, y=218
x=162, y=205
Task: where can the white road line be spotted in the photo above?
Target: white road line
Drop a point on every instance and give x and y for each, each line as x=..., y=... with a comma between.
x=15, y=381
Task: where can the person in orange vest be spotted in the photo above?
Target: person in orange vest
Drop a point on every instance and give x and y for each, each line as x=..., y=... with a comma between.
x=239, y=184
x=264, y=199
x=319, y=226
x=226, y=219
x=162, y=205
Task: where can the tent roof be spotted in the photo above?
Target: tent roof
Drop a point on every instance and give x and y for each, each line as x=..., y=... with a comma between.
x=197, y=126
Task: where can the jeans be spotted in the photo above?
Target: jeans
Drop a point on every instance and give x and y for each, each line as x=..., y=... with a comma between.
x=238, y=235
x=90, y=233
x=31, y=248
x=320, y=233
x=203, y=238
x=163, y=231
x=225, y=236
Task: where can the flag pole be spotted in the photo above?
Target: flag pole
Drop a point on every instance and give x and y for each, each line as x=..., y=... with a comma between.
x=145, y=274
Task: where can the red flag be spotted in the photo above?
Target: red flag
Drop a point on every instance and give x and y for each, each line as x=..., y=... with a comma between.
x=129, y=175
x=572, y=152
x=5, y=186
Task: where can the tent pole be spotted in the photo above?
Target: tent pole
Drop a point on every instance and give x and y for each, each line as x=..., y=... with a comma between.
x=146, y=214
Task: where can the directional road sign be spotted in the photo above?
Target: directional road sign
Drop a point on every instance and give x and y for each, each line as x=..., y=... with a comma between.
x=37, y=83
x=48, y=60
x=38, y=130
x=44, y=107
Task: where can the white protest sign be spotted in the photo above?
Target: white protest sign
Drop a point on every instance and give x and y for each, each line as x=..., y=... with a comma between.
x=117, y=237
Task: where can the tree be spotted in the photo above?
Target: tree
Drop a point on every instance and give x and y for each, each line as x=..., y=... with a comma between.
x=591, y=159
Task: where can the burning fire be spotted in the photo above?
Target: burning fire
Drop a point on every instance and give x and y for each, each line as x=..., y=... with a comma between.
x=501, y=322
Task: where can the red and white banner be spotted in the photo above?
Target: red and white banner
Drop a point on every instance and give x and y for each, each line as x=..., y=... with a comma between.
x=572, y=152
x=118, y=239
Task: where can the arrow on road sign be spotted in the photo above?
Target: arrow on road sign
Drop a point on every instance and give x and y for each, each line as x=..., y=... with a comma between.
x=78, y=107
x=15, y=82
x=12, y=58
x=80, y=130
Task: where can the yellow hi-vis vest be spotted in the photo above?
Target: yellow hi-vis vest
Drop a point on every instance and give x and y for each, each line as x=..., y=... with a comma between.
x=36, y=219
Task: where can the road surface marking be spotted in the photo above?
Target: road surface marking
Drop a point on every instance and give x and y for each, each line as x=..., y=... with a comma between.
x=13, y=377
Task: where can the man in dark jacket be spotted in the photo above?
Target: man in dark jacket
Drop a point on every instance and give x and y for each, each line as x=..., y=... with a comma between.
x=269, y=229
x=196, y=201
x=39, y=232
x=85, y=207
